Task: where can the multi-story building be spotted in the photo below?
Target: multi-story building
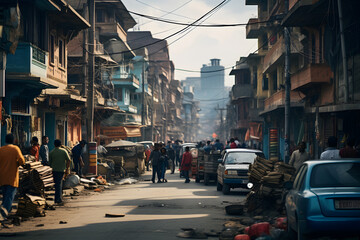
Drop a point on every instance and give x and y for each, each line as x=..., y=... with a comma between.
x=322, y=101
x=37, y=95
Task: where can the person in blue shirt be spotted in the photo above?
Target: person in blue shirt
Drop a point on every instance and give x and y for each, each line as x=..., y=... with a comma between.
x=164, y=163
x=218, y=145
x=208, y=147
x=77, y=157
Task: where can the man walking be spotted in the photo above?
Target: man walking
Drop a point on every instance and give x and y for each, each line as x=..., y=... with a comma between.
x=331, y=152
x=155, y=161
x=10, y=160
x=60, y=163
x=299, y=156
x=177, y=148
x=44, y=151
x=349, y=151
x=171, y=154
x=186, y=163
x=77, y=157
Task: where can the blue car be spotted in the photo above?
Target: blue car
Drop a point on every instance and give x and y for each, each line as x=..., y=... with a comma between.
x=325, y=199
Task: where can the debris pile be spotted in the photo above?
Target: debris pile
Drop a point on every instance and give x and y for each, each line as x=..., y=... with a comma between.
x=268, y=178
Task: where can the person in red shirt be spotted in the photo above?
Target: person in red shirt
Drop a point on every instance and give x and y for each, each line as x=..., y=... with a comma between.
x=232, y=143
x=147, y=154
x=186, y=163
x=35, y=148
x=348, y=151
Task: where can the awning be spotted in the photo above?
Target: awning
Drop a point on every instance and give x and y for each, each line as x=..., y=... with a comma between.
x=254, y=132
x=121, y=132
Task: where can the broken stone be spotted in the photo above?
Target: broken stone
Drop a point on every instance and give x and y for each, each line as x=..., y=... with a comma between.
x=114, y=215
x=246, y=221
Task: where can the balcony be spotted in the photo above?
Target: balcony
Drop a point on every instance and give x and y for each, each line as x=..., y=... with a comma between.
x=310, y=75
x=276, y=53
x=278, y=99
x=240, y=91
x=28, y=60
x=305, y=13
x=254, y=28
x=128, y=108
x=126, y=79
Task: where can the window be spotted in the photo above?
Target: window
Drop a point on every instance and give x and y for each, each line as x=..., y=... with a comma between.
x=275, y=81
x=255, y=77
x=61, y=53
x=298, y=183
x=313, y=48
x=265, y=42
x=119, y=94
x=265, y=83
x=320, y=46
x=52, y=49
x=100, y=15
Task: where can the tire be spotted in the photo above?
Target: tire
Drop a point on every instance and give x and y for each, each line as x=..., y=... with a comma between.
x=226, y=189
x=219, y=187
x=206, y=179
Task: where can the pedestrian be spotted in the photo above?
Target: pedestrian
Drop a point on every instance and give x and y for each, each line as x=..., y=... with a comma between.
x=147, y=154
x=101, y=150
x=186, y=163
x=78, y=158
x=164, y=163
x=59, y=161
x=10, y=160
x=35, y=148
x=232, y=143
x=331, y=152
x=208, y=147
x=177, y=148
x=155, y=161
x=44, y=151
x=218, y=145
x=348, y=151
x=299, y=156
x=171, y=155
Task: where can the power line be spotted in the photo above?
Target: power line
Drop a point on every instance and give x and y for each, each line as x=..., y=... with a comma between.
x=197, y=25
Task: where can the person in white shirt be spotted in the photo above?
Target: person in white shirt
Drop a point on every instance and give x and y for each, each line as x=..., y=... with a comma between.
x=299, y=156
x=101, y=150
x=331, y=152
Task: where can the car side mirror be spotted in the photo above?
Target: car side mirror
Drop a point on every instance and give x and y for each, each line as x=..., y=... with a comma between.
x=219, y=160
x=288, y=185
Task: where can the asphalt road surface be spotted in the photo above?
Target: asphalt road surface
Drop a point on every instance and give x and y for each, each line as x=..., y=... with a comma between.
x=152, y=211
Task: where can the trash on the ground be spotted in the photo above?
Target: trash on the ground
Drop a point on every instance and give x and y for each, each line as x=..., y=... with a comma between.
x=110, y=215
x=234, y=209
x=62, y=222
x=99, y=180
x=246, y=221
x=31, y=206
x=192, y=233
x=242, y=237
x=126, y=181
x=71, y=181
x=258, y=229
x=228, y=234
x=281, y=223
x=39, y=225
x=97, y=190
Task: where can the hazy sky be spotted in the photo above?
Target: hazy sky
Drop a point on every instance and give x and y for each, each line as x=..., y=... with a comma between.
x=201, y=44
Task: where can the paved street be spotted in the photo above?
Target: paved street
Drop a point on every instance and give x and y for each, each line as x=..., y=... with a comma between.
x=153, y=211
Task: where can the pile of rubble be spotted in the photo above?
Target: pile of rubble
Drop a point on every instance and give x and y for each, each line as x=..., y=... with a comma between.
x=268, y=178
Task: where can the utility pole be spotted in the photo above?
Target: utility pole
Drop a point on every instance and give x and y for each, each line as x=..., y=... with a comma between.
x=90, y=95
x=85, y=51
x=143, y=101
x=222, y=138
x=343, y=52
x=152, y=103
x=287, y=88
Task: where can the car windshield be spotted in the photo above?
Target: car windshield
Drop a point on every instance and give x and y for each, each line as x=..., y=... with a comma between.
x=241, y=157
x=335, y=175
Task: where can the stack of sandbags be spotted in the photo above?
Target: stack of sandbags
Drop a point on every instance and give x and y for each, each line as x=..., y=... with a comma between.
x=259, y=168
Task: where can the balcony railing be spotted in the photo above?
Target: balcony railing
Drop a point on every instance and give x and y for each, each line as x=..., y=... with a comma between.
x=278, y=99
x=127, y=79
x=28, y=59
x=312, y=74
x=241, y=91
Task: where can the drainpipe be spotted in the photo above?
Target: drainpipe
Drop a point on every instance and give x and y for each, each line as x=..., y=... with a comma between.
x=343, y=51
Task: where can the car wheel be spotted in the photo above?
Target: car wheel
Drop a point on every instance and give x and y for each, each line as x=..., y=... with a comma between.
x=206, y=179
x=219, y=186
x=225, y=189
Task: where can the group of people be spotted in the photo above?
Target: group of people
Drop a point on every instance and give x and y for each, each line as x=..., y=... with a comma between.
x=58, y=159
x=299, y=156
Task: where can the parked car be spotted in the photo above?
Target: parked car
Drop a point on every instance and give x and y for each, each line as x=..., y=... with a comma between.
x=232, y=172
x=325, y=199
x=147, y=143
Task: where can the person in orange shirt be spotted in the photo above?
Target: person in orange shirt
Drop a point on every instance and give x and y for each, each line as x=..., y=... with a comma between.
x=35, y=148
x=10, y=160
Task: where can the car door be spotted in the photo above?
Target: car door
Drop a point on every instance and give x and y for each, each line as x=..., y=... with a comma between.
x=295, y=196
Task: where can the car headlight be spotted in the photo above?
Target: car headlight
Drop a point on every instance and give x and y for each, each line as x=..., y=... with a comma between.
x=231, y=172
